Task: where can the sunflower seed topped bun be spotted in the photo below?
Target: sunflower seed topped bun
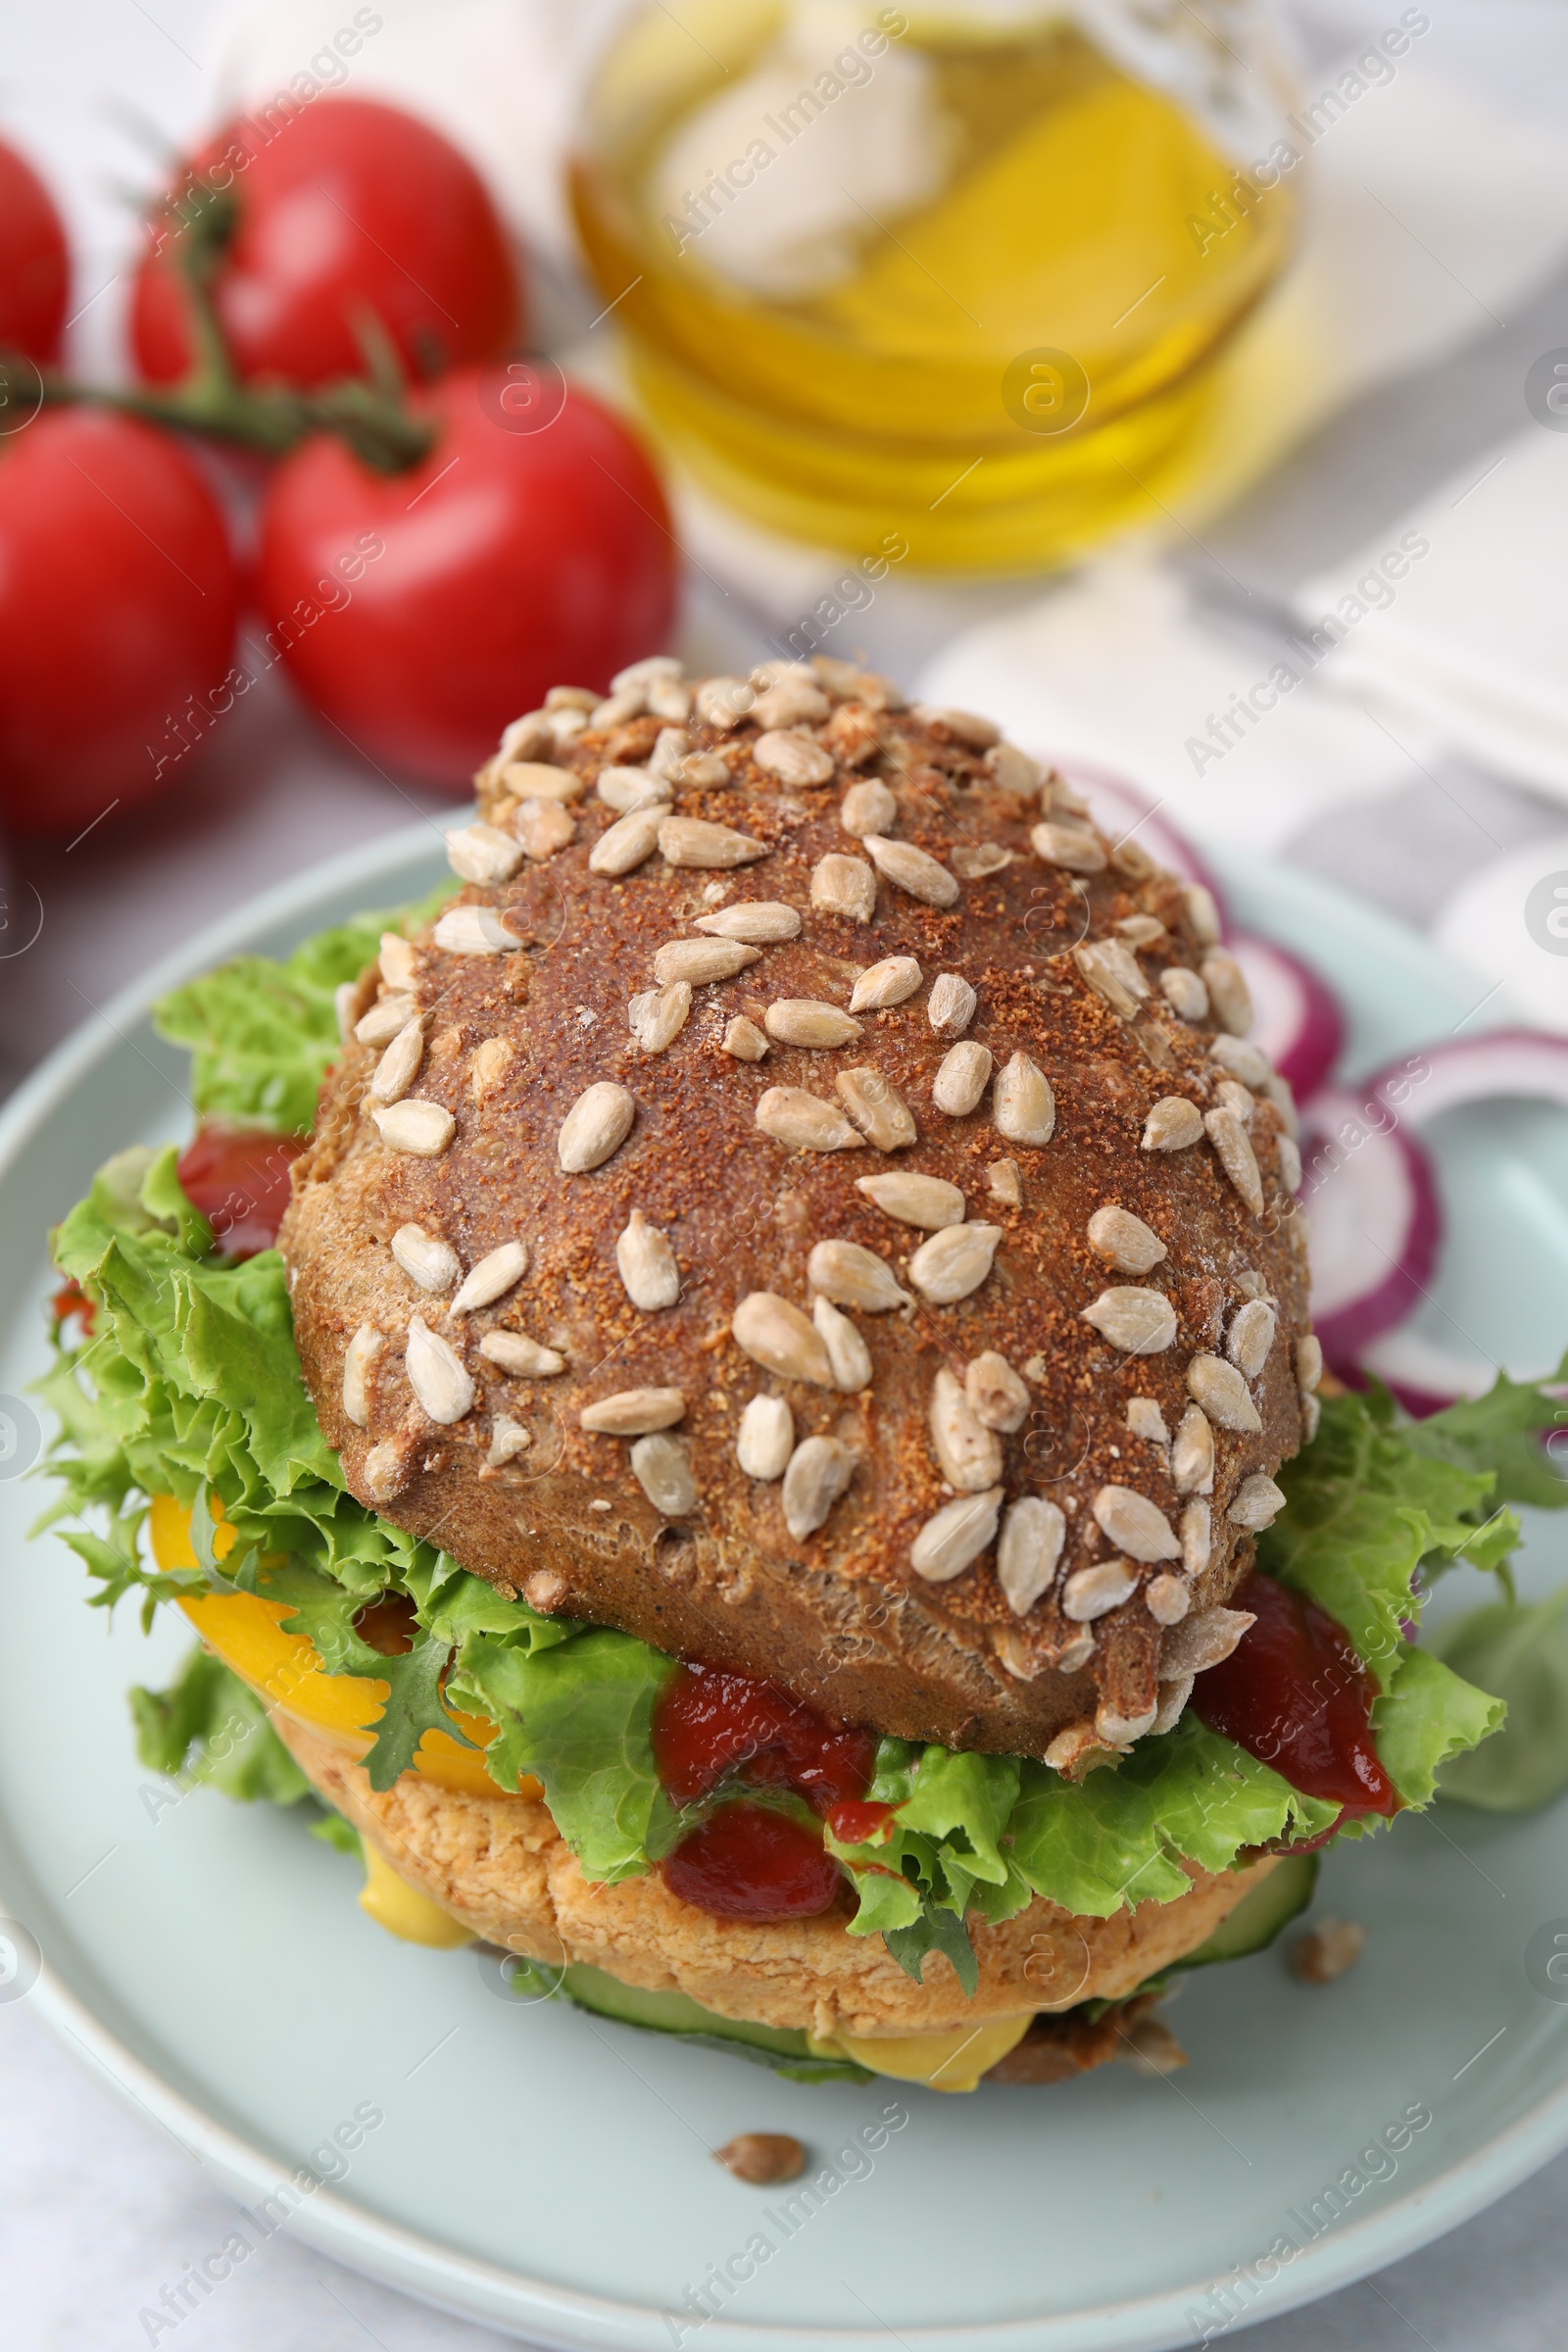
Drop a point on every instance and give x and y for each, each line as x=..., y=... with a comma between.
x=579, y=1082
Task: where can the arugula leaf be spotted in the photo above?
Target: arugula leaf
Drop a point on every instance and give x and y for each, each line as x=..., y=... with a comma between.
x=937, y=1929
x=414, y=1707
x=1520, y=1653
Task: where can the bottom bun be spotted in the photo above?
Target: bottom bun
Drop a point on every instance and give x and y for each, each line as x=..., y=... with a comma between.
x=501, y=1869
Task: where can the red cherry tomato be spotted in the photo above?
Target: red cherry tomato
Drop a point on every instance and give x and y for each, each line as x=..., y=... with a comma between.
x=117, y=604
x=34, y=263
x=343, y=208
x=420, y=611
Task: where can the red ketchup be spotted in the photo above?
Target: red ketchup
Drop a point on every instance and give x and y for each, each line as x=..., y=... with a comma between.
x=238, y=1178
x=1294, y=1694
x=748, y=1861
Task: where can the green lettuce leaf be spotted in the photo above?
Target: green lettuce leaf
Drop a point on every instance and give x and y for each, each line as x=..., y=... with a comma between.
x=1519, y=1653
x=210, y=1730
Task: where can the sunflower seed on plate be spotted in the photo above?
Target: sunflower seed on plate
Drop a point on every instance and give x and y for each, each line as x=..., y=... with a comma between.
x=950, y=1006
x=399, y=1065
x=886, y=983
x=791, y=703
x=779, y=1337
x=1135, y=1525
x=807, y=1021
x=963, y=1078
x=633, y=1413
x=1236, y=1155
x=1191, y=1453
x=1032, y=1534
x=1072, y=846
x=1115, y=973
x=386, y=1018
x=1140, y=1322
x=1197, y=1536
x=659, y=1466
x=1145, y=1420
x=854, y=1276
x=507, y=1439
x=876, y=1107
x=490, y=1277
x=925, y=877
x=846, y=886
x=954, y=1262
x=967, y=727
x=847, y=1350
x=1238, y=1060
x=1024, y=1104
x=398, y=961
x=954, y=1537
x=1228, y=992
x=757, y=921
x=1203, y=916
x=1088, y=1593
x=1223, y=1393
x=1250, y=1337
x=818, y=1472
x=692, y=842
x=426, y=1259
x=793, y=759
x=1204, y=1640
x=629, y=841
x=488, y=1069
x=481, y=853
x=538, y=781
x=997, y=1396
x=437, y=1374
x=358, y=1358
x=524, y=1359
x=1257, y=1503
x=928, y=1202
x=1173, y=1125
x=656, y=1016
x=629, y=789
x=647, y=1264
x=1184, y=992
x=968, y=1454
x=766, y=1439
x=1233, y=1095
x=1116, y=1235
x=594, y=1127
x=1005, y=1182
x=744, y=1039
x=421, y=1129
x=804, y=1121
x=699, y=961
x=1013, y=770
x=475, y=931
x=867, y=808
x=1289, y=1159
x=386, y=1469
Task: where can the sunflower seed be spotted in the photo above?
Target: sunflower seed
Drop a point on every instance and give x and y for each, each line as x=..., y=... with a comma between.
x=1204, y=1640
x=659, y=1466
x=1153, y=2048
x=657, y=1017
x=998, y=1398
x=779, y=1337
x=1184, y=992
x=1167, y=1599
x=1072, y=847
x=792, y=702
x=804, y=1121
x=1135, y=1525
x=1172, y=1125
x=616, y=709
x=1308, y=1363
x=1024, y=1104
x=1203, y=916
x=925, y=877
x=399, y=1065
x=955, y=1537
x=491, y=1062
x=1173, y=1698
x=525, y=738
x=1078, y=1652
x=867, y=808
x=399, y=963
x=847, y=1350
x=1142, y=931
x=543, y=828
x=633, y=1413
x=1228, y=992
x=757, y=921
x=507, y=1439
x=1191, y=1453
x=963, y=1079
x=571, y=698
x=886, y=983
x=524, y=1359
x=968, y=1454
x=436, y=1374
x=668, y=754
x=594, y=1127
x=490, y=1277
x=1258, y=1502
x=1006, y=1185
x=1289, y=1159
x=876, y=1107
x=1312, y=1415
x=924, y=1200
x=629, y=841
x=1276, y=1089
x=668, y=698
x=1250, y=1337
x=766, y=1439
x=386, y=1469
x=538, y=781
x=421, y=1128
x=1141, y=1322
x=950, y=1006
x=1089, y=1591
x=483, y=853
x=1013, y=771
x=1145, y=1420
x=1236, y=1155
x=474, y=931
x=691, y=841
x=723, y=702
x=1234, y=1096
x=1223, y=1393
x=845, y=886
x=644, y=671
x=954, y=1262
x=852, y=1276
x=424, y=1259
x=386, y=1018
x=1032, y=1534
x=1238, y=1060
x=744, y=1039
x=972, y=860
x=967, y=727
x=357, y=1359
x=1115, y=973
x=807, y=1021
x=699, y=961
x=793, y=759
x=630, y=789
x=1116, y=1235
x=819, y=1469
x=647, y=1264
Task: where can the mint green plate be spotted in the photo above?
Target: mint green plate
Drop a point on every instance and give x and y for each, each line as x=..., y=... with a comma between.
x=549, y=2174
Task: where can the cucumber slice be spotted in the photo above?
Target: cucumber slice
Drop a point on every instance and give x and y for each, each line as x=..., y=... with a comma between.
x=1259, y=1915
x=783, y=2049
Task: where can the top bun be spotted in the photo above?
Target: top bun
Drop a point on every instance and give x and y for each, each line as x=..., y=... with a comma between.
x=854, y=1105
